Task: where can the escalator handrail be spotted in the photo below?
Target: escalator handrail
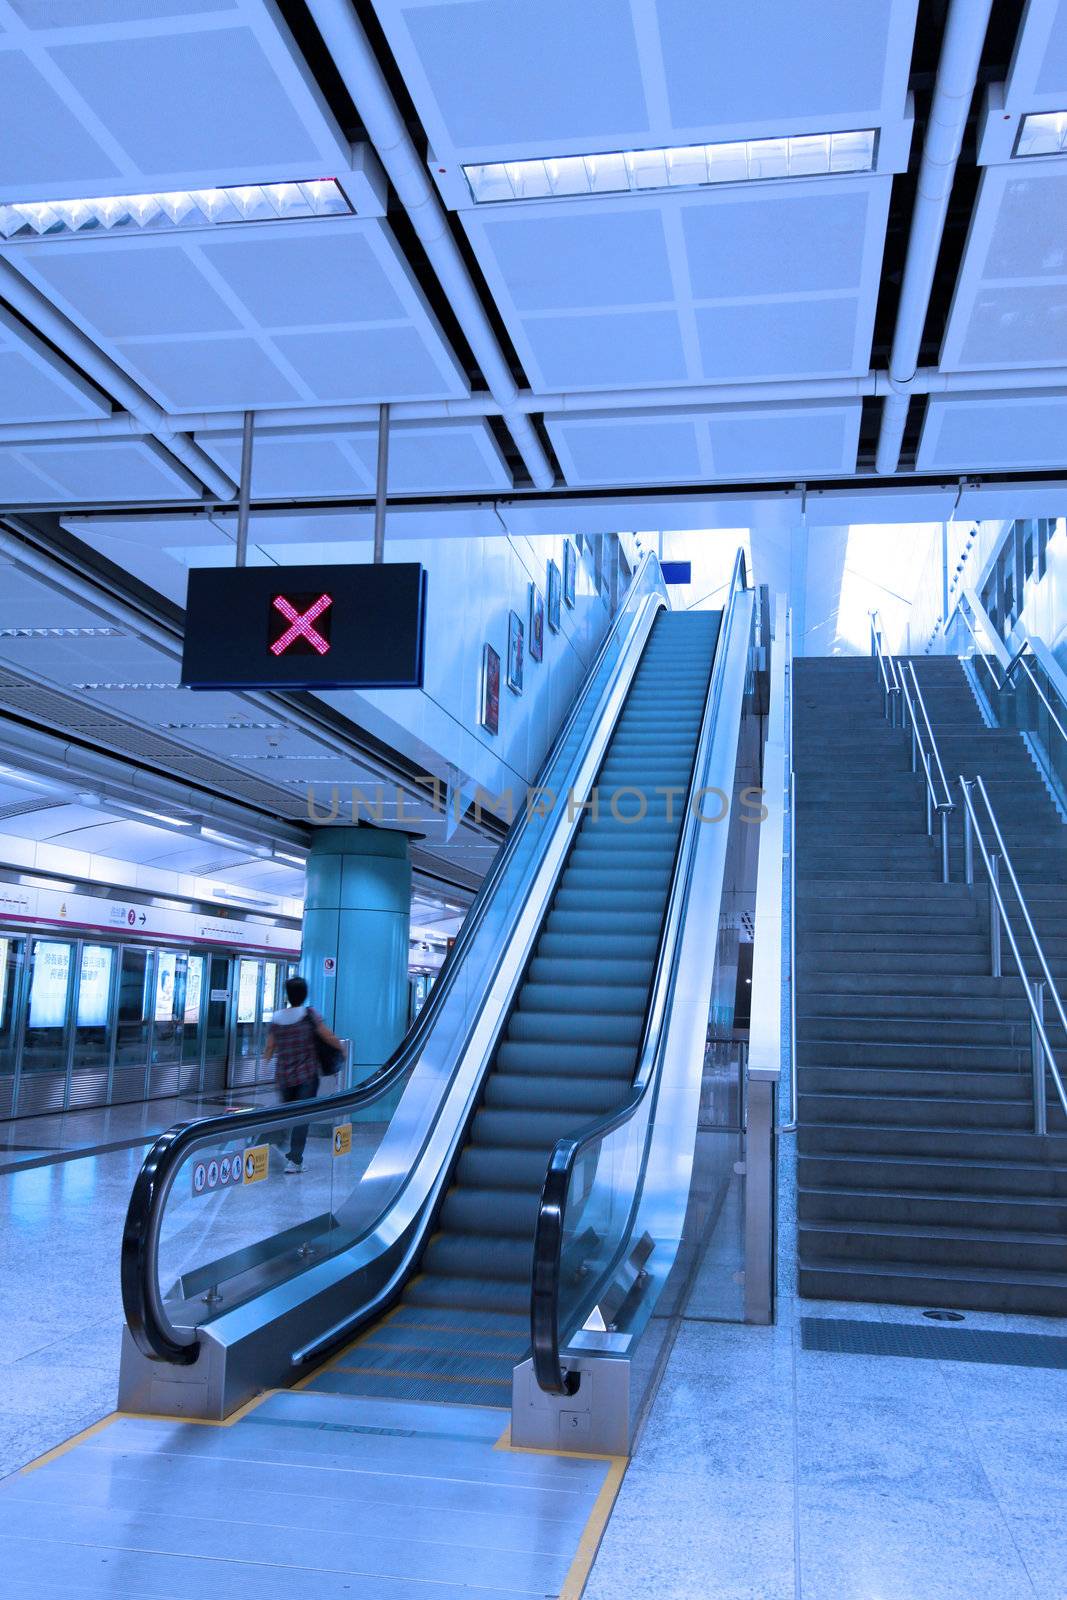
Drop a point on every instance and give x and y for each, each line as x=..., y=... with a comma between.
x=548, y=1232
x=152, y=1330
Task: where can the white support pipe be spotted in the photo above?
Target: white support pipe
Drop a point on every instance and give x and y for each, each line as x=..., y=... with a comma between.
x=42, y=315
x=355, y=60
x=957, y=75
x=704, y=398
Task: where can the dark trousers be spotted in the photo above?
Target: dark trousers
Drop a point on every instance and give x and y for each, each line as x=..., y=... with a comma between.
x=299, y=1133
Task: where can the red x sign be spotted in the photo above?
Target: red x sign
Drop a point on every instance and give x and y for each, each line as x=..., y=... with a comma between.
x=301, y=624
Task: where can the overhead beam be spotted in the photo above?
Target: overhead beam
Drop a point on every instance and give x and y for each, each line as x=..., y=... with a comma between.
x=957, y=77
x=703, y=399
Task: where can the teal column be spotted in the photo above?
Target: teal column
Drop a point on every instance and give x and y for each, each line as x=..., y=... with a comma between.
x=357, y=913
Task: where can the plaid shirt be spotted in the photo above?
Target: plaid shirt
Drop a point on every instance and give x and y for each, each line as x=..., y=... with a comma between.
x=296, y=1059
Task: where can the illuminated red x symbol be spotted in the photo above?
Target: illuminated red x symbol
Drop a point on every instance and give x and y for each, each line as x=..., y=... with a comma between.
x=301, y=624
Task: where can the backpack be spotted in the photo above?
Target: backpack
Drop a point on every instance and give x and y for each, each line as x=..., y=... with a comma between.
x=329, y=1058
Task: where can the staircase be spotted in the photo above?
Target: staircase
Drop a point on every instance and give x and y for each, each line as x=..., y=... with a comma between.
x=920, y=1179
x=566, y=1056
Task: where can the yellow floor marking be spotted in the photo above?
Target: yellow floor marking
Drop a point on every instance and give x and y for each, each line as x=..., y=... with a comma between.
x=147, y=1416
x=589, y=1543
x=69, y=1444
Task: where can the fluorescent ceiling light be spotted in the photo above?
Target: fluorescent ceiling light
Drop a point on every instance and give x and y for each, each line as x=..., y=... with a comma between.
x=680, y=167
x=177, y=208
x=225, y=838
x=1043, y=133
x=162, y=816
x=296, y=861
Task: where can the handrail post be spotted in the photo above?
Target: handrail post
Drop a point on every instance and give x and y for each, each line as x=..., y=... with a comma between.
x=929, y=811
x=1037, y=1058
x=994, y=915
x=968, y=843
x=914, y=747
x=945, y=873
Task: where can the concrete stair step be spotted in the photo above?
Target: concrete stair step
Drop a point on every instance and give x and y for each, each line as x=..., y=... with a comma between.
x=917, y=1284
x=918, y=1244
x=918, y=1208
x=947, y=1175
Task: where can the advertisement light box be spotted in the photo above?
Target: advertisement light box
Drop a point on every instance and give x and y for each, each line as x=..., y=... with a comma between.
x=316, y=627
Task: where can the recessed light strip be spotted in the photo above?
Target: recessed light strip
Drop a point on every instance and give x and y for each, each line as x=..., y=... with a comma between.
x=693, y=166
x=1043, y=133
x=176, y=208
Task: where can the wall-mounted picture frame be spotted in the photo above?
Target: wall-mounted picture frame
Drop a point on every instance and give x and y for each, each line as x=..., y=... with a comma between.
x=536, y=643
x=489, y=701
x=516, y=651
x=553, y=584
x=570, y=573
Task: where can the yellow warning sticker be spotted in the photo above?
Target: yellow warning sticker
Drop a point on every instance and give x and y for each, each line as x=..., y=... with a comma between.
x=342, y=1139
x=257, y=1160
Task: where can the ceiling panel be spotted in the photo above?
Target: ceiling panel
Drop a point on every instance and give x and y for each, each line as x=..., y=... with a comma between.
x=1010, y=305
x=91, y=469
x=424, y=458
x=321, y=311
x=745, y=442
x=1038, y=77
x=779, y=280
x=496, y=80
x=994, y=431
x=36, y=384
x=122, y=96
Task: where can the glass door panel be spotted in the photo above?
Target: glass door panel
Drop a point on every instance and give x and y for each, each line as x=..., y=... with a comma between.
x=135, y=1011
x=92, y=1014
x=249, y=974
x=45, y=1047
x=216, y=1009
x=192, y=1010
x=168, y=1012
x=10, y=966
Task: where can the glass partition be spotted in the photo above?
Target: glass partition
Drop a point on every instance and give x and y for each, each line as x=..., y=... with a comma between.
x=134, y=1010
x=10, y=972
x=236, y=1223
x=93, y=1010
x=47, y=1036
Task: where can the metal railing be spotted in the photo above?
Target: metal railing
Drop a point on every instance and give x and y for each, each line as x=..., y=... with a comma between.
x=1041, y=1052
x=924, y=749
x=1018, y=664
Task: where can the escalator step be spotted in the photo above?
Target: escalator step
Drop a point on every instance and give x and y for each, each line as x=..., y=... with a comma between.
x=618, y=998
x=564, y=1027
x=605, y=1060
x=464, y=1255
x=433, y=1289
x=490, y=1211
x=582, y=1095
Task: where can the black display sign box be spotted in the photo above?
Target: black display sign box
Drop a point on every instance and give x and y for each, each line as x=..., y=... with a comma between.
x=316, y=627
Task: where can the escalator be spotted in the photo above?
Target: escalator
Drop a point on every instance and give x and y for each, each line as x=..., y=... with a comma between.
x=568, y=1051
x=553, y=1057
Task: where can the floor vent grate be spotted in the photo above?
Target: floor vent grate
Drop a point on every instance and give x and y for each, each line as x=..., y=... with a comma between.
x=840, y=1336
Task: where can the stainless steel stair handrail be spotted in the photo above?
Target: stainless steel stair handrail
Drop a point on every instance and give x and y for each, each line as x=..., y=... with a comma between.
x=887, y=669
x=943, y=805
x=1041, y=1049
x=940, y=803
x=1017, y=663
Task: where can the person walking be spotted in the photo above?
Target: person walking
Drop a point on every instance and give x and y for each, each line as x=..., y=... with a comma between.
x=291, y=1043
